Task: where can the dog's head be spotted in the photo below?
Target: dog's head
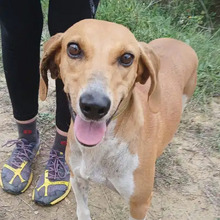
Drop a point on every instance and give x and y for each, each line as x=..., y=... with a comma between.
x=99, y=63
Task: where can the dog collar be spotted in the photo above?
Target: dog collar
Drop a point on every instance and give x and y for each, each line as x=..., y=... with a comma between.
x=121, y=108
x=72, y=113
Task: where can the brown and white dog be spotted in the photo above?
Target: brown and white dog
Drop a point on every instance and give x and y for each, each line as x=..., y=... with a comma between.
x=126, y=99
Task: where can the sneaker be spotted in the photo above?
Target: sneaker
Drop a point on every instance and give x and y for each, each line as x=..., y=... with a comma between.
x=54, y=184
x=16, y=175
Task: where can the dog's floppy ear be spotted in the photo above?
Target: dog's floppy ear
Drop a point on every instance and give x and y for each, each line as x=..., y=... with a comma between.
x=50, y=61
x=149, y=65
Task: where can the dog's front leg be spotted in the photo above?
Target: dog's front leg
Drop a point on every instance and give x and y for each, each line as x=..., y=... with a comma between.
x=80, y=188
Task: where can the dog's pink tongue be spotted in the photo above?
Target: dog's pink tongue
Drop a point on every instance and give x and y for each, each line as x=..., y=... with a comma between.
x=89, y=133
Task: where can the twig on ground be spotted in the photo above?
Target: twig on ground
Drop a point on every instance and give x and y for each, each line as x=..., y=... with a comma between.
x=109, y=204
x=96, y=206
x=188, y=217
x=26, y=203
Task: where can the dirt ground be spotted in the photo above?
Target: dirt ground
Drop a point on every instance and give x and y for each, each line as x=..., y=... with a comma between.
x=187, y=183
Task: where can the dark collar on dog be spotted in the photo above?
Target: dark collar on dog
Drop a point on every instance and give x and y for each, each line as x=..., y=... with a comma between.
x=72, y=113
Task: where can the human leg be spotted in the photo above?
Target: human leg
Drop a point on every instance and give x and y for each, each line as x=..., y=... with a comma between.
x=21, y=26
x=62, y=15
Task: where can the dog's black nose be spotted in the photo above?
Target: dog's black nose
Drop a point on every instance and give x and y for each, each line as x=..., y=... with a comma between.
x=94, y=105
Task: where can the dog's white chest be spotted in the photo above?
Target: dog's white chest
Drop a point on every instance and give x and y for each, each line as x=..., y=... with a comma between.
x=109, y=163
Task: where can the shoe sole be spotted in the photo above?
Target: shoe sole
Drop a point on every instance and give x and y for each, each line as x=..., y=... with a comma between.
x=53, y=202
x=26, y=187
x=17, y=193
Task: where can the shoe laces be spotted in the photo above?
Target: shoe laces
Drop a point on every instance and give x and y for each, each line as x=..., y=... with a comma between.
x=56, y=165
x=22, y=152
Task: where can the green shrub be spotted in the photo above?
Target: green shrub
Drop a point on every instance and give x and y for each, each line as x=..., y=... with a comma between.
x=192, y=21
x=183, y=20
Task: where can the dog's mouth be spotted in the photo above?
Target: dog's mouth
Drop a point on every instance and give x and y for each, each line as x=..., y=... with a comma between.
x=89, y=133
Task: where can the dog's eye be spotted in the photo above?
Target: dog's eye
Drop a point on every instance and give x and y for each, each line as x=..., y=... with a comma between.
x=126, y=59
x=74, y=51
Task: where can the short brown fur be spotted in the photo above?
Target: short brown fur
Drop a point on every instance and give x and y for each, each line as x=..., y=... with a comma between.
x=165, y=69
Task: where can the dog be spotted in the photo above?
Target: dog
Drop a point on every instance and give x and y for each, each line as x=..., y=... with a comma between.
x=126, y=99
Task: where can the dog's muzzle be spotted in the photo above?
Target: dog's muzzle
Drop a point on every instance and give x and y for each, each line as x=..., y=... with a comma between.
x=91, y=130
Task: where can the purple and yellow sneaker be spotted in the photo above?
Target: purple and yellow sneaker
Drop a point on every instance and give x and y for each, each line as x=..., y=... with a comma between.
x=54, y=184
x=16, y=175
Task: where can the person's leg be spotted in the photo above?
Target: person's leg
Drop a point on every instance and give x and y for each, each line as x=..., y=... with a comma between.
x=62, y=15
x=21, y=26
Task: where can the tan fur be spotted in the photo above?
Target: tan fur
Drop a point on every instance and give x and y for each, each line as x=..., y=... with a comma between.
x=166, y=70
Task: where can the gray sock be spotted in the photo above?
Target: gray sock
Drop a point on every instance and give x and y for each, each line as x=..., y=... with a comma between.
x=60, y=143
x=28, y=131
